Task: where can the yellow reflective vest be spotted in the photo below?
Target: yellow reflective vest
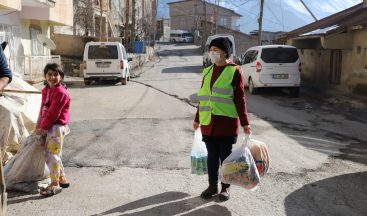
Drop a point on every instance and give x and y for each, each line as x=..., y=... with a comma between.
x=217, y=100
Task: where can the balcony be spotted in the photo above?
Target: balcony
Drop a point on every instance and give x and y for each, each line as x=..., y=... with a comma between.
x=31, y=67
x=39, y=3
x=61, y=14
x=10, y=5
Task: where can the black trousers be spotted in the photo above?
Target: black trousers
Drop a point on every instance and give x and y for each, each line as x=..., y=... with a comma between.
x=217, y=152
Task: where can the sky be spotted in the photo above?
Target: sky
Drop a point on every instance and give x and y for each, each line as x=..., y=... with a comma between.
x=279, y=15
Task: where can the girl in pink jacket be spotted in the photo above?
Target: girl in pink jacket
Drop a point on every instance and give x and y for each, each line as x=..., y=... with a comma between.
x=52, y=121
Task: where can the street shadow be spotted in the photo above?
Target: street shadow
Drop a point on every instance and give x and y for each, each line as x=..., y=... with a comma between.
x=19, y=197
x=333, y=144
x=168, y=203
x=94, y=84
x=180, y=52
x=185, y=69
x=340, y=195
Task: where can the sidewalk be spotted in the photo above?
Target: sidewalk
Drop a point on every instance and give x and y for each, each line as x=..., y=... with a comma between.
x=332, y=93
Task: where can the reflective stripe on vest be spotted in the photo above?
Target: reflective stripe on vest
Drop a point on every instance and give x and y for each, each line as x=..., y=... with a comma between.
x=219, y=99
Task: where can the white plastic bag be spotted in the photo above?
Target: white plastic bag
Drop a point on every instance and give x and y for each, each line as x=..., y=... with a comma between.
x=199, y=155
x=27, y=168
x=239, y=168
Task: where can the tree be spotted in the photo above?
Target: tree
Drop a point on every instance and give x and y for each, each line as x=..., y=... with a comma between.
x=84, y=17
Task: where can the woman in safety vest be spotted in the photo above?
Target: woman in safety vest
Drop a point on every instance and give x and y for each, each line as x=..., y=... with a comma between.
x=221, y=111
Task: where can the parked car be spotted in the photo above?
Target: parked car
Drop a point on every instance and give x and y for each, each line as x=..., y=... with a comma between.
x=105, y=61
x=206, y=59
x=272, y=66
x=183, y=36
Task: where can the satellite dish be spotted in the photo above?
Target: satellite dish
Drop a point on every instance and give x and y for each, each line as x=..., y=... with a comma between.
x=46, y=42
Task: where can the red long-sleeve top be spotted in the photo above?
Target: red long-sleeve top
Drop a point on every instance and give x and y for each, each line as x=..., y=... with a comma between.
x=55, y=107
x=223, y=125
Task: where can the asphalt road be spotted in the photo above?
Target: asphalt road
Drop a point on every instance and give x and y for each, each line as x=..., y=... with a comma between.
x=128, y=153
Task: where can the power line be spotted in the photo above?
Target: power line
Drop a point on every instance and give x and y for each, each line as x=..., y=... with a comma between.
x=271, y=11
x=281, y=9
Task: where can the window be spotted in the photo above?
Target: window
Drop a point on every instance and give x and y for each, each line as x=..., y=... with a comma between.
x=103, y=52
x=37, y=47
x=250, y=56
x=279, y=55
x=223, y=21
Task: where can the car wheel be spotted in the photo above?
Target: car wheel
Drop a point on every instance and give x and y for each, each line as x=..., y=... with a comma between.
x=294, y=92
x=86, y=81
x=251, y=87
x=123, y=81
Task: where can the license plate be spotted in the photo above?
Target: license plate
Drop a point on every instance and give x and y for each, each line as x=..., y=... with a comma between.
x=103, y=65
x=280, y=76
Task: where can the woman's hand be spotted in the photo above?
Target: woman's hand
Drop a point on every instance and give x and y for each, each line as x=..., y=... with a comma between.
x=247, y=129
x=195, y=125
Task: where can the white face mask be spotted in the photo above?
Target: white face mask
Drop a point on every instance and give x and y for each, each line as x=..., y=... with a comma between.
x=214, y=57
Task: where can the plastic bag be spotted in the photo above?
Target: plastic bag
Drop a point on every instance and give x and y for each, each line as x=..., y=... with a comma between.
x=199, y=155
x=260, y=153
x=239, y=168
x=27, y=168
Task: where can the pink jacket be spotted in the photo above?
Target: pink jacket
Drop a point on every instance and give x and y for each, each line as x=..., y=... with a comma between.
x=55, y=107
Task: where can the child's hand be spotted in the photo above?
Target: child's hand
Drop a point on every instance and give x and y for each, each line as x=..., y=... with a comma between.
x=40, y=131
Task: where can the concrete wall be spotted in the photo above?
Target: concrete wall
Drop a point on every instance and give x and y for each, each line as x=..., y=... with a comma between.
x=315, y=65
x=73, y=45
x=354, y=66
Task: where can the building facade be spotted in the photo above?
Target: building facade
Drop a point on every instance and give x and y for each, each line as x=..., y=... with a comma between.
x=333, y=50
x=204, y=19
x=26, y=25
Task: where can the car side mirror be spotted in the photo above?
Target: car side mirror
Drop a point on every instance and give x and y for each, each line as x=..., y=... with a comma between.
x=129, y=59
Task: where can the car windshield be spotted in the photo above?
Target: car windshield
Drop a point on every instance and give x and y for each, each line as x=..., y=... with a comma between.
x=102, y=52
x=279, y=55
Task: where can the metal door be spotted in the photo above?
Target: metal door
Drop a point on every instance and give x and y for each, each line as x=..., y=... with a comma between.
x=335, y=66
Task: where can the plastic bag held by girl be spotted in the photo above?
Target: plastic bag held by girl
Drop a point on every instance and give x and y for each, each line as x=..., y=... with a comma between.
x=26, y=170
x=239, y=168
x=198, y=155
x=260, y=153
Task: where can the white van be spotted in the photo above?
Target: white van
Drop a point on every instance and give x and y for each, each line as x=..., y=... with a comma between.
x=206, y=59
x=183, y=36
x=272, y=66
x=105, y=61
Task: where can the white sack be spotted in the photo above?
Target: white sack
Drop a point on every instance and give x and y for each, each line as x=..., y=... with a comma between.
x=27, y=168
x=18, y=115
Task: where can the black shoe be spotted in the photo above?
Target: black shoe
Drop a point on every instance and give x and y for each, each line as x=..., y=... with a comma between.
x=224, y=193
x=209, y=192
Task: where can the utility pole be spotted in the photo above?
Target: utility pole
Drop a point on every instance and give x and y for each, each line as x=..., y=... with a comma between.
x=127, y=24
x=216, y=16
x=133, y=19
x=260, y=21
x=304, y=4
x=100, y=20
x=205, y=22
